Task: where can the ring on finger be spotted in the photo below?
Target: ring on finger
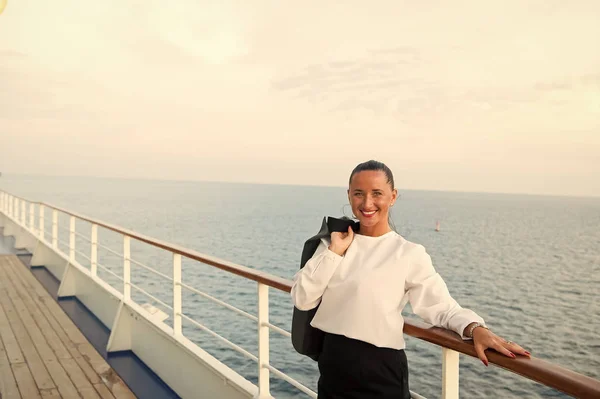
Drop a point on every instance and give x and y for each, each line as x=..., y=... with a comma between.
x=509, y=342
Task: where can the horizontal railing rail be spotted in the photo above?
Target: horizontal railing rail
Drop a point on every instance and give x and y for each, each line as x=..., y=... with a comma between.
x=243, y=271
x=535, y=369
x=151, y=270
x=106, y=269
x=149, y=295
x=219, y=302
x=112, y=251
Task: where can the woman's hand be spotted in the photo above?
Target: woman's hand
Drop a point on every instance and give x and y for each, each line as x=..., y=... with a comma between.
x=484, y=339
x=341, y=241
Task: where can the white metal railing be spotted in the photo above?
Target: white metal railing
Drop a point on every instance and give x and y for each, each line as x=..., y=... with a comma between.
x=233, y=346
x=84, y=256
x=16, y=209
x=11, y=206
x=108, y=249
x=217, y=301
x=149, y=295
x=151, y=270
x=106, y=269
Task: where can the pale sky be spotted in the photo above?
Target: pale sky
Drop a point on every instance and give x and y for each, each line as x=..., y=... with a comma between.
x=492, y=96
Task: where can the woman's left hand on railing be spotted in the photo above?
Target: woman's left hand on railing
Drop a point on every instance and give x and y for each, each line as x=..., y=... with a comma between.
x=484, y=339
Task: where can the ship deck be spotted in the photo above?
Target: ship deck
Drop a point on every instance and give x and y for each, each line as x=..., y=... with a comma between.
x=64, y=332
x=42, y=353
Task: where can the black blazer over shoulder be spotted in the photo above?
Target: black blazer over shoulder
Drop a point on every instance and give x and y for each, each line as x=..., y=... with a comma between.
x=306, y=339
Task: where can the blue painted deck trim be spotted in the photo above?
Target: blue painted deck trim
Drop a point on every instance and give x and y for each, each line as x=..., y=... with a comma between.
x=142, y=381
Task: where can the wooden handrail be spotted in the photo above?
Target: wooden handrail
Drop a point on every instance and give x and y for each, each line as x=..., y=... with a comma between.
x=21, y=198
x=538, y=370
x=243, y=271
x=544, y=372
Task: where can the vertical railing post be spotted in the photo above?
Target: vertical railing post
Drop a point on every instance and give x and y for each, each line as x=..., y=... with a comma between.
x=42, y=224
x=31, y=216
x=12, y=206
x=72, y=238
x=177, y=329
x=94, y=254
x=94, y=250
x=263, y=341
x=2, y=201
x=23, y=213
x=450, y=368
x=17, y=208
x=126, y=268
x=54, y=228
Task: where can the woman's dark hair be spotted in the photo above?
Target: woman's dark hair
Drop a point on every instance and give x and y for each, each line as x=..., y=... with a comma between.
x=374, y=166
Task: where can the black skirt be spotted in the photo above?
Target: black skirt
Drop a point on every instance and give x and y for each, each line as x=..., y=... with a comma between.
x=352, y=369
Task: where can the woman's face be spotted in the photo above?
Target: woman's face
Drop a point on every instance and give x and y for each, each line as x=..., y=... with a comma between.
x=370, y=196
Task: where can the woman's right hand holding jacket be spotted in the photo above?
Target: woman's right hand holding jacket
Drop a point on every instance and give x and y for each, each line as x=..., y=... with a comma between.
x=341, y=241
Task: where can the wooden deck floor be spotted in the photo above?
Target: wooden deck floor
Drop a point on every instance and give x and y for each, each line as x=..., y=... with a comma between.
x=42, y=353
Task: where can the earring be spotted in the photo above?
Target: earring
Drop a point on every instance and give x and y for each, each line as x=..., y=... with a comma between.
x=344, y=212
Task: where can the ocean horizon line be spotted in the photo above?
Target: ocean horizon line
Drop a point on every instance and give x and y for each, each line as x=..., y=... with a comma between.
x=501, y=193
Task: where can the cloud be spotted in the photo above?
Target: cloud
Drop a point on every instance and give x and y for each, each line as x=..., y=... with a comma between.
x=12, y=54
x=591, y=80
x=237, y=81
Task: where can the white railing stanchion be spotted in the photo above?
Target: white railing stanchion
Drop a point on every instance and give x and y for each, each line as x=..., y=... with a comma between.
x=24, y=213
x=16, y=210
x=263, y=341
x=450, y=368
x=126, y=268
x=177, y=329
x=94, y=254
x=12, y=206
x=41, y=220
x=31, y=216
x=54, y=228
x=72, y=238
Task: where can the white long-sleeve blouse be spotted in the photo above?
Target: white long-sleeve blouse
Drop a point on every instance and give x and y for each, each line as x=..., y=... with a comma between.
x=362, y=293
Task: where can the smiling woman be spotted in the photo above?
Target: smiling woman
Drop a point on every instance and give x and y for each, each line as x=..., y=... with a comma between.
x=371, y=195
x=361, y=282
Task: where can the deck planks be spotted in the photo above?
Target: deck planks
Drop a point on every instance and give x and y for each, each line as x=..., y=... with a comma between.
x=42, y=353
